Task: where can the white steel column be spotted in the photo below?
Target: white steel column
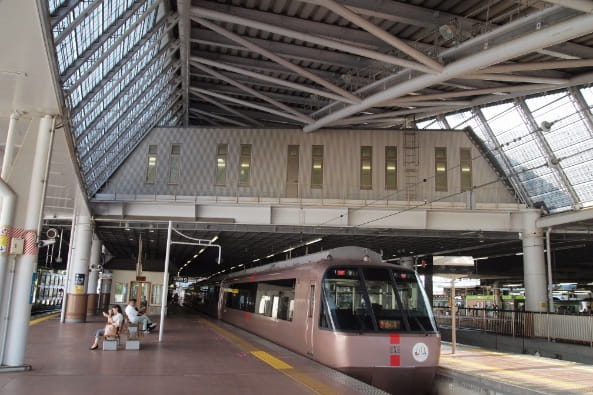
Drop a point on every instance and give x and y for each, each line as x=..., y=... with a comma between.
x=18, y=325
x=96, y=246
x=165, y=283
x=6, y=222
x=95, y=265
x=534, y=264
x=76, y=301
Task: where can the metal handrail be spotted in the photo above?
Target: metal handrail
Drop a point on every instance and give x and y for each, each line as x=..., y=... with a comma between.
x=571, y=328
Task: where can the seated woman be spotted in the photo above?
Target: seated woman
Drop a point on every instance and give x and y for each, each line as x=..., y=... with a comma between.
x=114, y=320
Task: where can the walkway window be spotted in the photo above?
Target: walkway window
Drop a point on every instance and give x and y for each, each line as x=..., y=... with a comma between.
x=245, y=165
x=317, y=166
x=366, y=167
x=440, y=160
x=390, y=168
x=465, y=158
x=221, y=153
x=151, y=165
x=174, y=163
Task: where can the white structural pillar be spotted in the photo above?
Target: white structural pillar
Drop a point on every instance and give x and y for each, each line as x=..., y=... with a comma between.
x=94, y=267
x=26, y=265
x=534, y=263
x=76, y=302
x=6, y=221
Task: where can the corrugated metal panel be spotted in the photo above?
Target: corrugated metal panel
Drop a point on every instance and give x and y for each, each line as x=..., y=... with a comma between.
x=341, y=162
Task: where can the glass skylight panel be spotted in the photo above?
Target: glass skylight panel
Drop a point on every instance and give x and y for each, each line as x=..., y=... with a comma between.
x=506, y=123
x=427, y=124
x=53, y=4
x=578, y=167
x=457, y=120
x=102, y=91
x=585, y=193
x=588, y=96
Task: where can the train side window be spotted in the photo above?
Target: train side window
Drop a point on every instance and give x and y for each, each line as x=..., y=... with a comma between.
x=276, y=298
x=273, y=299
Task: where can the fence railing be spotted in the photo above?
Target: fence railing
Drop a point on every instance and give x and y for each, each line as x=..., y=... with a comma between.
x=572, y=328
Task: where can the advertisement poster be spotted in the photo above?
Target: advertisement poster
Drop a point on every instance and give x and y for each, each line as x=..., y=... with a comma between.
x=78, y=286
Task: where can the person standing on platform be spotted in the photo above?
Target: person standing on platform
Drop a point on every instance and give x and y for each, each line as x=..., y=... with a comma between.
x=138, y=317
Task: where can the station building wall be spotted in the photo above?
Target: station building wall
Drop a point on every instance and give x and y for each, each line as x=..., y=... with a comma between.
x=197, y=152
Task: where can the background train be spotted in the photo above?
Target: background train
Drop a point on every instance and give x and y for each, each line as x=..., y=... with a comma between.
x=343, y=307
x=48, y=291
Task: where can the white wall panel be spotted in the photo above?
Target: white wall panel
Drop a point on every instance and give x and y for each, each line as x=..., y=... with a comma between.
x=341, y=173
x=258, y=215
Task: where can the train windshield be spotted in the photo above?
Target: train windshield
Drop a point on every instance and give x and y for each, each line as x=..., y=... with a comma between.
x=374, y=299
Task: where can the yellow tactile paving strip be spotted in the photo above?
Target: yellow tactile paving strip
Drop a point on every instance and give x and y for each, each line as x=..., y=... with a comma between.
x=308, y=381
x=527, y=371
x=44, y=318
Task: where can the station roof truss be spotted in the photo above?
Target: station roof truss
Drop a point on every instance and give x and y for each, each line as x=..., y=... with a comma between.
x=516, y=72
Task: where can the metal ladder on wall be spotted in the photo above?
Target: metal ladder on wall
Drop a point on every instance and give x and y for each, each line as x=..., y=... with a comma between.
x=410, y=163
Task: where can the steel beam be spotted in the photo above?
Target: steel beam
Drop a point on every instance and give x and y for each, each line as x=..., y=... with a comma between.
x=266, y=118
x=289, y=51
x=109, y=168
x=253, y=92
x=124, y=91
x=537, y=66
x=303, y=101
x=272, y=56
x=378, y=32
x=227, y=120
x=560, y=32
x=264, y=66
x=551, y=158
x=174, y=45
x=246, y=104
x=184, y=53
x=511, y=175
x=297, y=35
x=66, y=9
x=150, y=125
x=91, y=150
x=87, y=55
x=225, y=108
x=292, y=85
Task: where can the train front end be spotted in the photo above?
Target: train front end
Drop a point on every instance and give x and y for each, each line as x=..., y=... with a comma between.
x=376, y=325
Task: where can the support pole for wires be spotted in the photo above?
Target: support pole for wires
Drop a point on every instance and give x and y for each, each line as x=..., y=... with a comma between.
x=165, y=283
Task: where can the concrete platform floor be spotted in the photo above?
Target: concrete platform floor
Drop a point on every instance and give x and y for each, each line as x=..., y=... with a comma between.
x=514, y=374
x=197, y=356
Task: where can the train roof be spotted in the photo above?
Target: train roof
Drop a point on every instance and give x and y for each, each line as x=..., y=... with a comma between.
x=340, y=253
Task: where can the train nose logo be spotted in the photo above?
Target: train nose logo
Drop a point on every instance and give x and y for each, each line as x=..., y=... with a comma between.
x=420, y=352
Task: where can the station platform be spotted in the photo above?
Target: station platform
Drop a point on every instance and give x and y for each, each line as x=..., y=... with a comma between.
x=197, y=356
x=477, y=371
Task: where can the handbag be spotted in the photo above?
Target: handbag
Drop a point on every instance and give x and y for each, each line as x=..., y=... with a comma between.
x=110, y=330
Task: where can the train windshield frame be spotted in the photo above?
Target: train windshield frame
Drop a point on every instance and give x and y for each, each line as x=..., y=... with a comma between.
x=374, y=299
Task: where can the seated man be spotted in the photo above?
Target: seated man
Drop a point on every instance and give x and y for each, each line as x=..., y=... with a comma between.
x=137, y=317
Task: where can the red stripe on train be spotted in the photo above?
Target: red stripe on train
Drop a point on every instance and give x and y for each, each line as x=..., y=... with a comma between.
x=393, y=339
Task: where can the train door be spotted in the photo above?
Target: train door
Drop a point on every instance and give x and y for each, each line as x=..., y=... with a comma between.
x=309, y=329
x=140, y=290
